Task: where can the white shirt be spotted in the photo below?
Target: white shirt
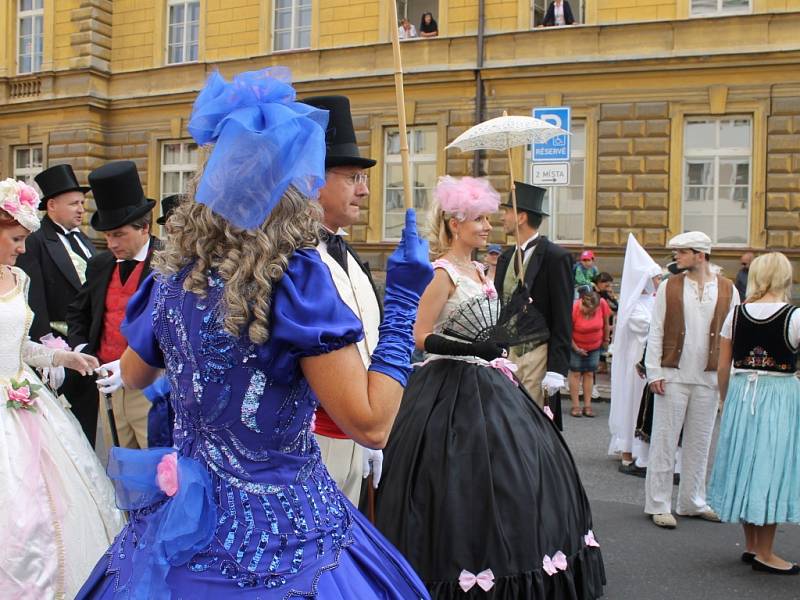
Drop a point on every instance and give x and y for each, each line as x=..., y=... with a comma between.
x=529, y=251
x=764, y=310
x=62, y=235
x=141, y=255
x=558, y=11
x=403, y=35
x=698, y=310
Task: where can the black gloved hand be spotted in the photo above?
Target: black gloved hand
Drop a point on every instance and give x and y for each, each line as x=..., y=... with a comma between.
x=437, y=344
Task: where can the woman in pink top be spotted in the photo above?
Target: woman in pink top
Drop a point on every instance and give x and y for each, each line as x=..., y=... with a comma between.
x=590, y=333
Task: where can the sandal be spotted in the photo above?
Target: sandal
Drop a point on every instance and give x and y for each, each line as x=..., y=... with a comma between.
x=588, y=412
x=576, y=412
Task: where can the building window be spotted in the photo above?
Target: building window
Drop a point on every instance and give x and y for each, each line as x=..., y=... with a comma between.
x=178, y=166
x=422, y=155
x=539, y=10
x=27, y=163
x=566, y=204
x=31, y=37
x=717, y=176
x=183, y=30
x=719, y=7
x=291, y=25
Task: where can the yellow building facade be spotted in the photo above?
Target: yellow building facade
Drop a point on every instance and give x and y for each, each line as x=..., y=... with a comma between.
x=685, y=113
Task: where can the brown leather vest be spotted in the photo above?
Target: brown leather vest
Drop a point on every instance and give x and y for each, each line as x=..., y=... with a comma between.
x=675, y=324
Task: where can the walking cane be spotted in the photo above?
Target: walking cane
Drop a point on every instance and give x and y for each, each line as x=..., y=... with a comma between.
x=112, y=424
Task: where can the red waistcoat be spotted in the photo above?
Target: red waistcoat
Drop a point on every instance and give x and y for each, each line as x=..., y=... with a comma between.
x=112, y=343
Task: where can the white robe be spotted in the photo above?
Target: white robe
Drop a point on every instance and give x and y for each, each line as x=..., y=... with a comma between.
x=626, y=385
x=630, y=334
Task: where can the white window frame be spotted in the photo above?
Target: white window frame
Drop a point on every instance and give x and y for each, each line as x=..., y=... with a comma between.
x=396, y=159
x=717, y=154
x=33, y=14
x=185, y=168
x=294, y=29
x=28, y=172
x=185, y=45
x=550, y=224
x=721, y=10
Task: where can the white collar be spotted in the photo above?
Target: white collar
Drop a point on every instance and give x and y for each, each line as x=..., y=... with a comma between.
x=530, y=239
x=141, y=255
x=63, y=230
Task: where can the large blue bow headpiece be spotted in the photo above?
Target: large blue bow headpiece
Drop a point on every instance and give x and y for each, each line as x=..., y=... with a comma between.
x=264, y=142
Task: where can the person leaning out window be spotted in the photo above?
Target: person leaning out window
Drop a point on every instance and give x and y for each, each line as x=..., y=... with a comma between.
x=558, y=13
x=427, y=26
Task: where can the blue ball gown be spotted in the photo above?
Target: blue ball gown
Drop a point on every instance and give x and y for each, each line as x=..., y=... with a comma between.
x=256, y=514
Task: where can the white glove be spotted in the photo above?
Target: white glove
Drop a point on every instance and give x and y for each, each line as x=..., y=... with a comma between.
x=372, y=462
x=54, y=377
x=111, y=377
x=552, y=382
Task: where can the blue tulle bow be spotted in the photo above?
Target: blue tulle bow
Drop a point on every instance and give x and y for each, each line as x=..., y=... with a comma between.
x=265, y=142
x=180, y=528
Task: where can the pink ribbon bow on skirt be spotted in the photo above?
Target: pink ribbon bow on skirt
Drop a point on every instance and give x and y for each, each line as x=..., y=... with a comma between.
x=484, y=579
x=553, y=565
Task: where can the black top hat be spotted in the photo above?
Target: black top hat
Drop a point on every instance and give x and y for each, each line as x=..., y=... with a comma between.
x=530, y=198
x=58, y=179
x=118, y=194
x=340, y=138
x=168, y=204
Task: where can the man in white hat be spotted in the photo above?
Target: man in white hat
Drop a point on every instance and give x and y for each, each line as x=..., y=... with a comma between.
x=681, y=361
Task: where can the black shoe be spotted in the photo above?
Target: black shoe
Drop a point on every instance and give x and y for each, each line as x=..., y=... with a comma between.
x=676, y=479
x=759, y=566
x=748, y=557
x=632, y=469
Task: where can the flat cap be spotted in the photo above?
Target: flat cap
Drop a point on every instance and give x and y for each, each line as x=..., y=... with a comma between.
x=691, y=240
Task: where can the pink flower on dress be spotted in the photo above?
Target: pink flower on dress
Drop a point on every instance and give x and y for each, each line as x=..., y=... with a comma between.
x=55, y=342
x=489, y=290
x=21, y=395
x=27, y=195
x=167, y=474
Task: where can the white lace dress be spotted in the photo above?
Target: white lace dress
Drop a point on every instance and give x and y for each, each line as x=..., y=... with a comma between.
x=57, y=510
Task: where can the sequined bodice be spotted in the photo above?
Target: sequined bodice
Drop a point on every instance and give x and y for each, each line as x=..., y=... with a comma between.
x=15, y=321
x=245, y=410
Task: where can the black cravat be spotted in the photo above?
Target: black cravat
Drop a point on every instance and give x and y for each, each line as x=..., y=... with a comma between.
x=126, y=267
x=72, y=238
x=528, y=246
x=337, y=248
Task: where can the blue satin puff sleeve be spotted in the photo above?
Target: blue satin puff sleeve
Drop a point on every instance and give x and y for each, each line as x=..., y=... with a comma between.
x=308, y=316
x=138, y=326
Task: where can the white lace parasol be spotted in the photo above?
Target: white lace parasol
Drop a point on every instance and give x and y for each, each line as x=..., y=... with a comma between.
x=506, y=132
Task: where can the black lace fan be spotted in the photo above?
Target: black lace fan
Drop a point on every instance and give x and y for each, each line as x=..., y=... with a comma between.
x=508, y=320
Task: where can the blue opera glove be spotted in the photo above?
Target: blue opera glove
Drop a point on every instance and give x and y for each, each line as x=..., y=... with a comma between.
x=408, y=273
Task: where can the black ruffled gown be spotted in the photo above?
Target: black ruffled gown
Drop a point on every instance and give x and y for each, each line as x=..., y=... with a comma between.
x=476, y=477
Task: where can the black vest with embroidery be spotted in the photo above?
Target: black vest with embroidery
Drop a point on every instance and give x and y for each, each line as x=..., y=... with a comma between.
x=763, y=344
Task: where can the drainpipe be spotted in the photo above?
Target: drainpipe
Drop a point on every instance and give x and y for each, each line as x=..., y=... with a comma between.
x=479, y=96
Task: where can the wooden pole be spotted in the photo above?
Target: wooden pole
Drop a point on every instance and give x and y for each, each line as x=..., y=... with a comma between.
x=518, y=254
x=408, y=199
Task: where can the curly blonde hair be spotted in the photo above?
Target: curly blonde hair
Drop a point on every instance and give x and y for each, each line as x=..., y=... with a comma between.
x=439, y=234
x=249, y=261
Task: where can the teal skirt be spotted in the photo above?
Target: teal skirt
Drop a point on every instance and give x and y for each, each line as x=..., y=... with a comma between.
x=756, y=474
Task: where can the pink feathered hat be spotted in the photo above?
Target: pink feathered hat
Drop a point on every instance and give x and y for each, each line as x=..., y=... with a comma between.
x=466, y=198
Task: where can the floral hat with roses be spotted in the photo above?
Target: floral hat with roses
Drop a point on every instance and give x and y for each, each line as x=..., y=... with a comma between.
x=20, y=200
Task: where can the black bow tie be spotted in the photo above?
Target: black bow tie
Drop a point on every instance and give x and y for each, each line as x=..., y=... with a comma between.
x=126, y=267
x=337, y=248
x=72, y=238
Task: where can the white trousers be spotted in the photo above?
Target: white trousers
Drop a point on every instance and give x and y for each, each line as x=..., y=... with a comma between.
x=693, y=407
x=343, y=460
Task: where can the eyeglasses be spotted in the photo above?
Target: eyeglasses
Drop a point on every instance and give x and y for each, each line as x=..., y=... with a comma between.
x=353, y=179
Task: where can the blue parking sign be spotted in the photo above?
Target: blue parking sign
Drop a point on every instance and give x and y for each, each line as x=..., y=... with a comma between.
x=557, y=149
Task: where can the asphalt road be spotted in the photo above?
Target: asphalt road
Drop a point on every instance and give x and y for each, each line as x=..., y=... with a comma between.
x=698, y=560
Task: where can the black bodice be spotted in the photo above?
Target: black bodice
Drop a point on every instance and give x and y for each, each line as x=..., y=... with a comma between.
x=763, y=344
